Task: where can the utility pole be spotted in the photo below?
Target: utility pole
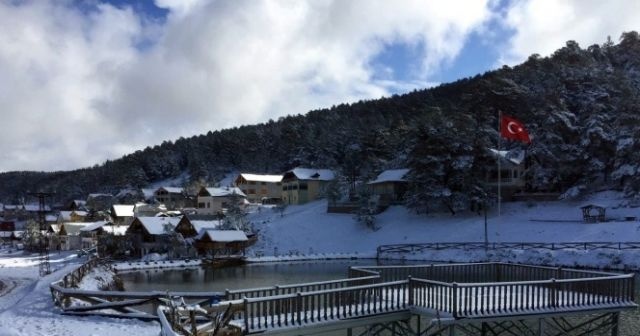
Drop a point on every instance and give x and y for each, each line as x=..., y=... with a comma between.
x=42, y=238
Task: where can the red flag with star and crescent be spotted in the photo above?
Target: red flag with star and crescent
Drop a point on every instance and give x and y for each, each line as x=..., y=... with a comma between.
x=512, y=129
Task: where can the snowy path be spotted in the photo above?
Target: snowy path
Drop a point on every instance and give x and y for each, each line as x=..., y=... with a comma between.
x=26, y=307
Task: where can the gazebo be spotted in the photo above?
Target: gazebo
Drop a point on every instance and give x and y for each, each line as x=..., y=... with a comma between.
x=593, y=213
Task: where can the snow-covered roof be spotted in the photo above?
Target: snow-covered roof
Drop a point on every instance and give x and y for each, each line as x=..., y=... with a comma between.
x=92, y=226
x=6, y=234
x=156, y=225
x=79, y=203
x=200, y=225
x=116, y=230
x=35, y=207
x=224, y=235
x=262, y=178
x=55, y=227
x=73, y=228
x=225, y=192
x=50, y=218
x=171, y=190
x=95, y=195
x=123, y=210
x=312, y=174
x=391, y=175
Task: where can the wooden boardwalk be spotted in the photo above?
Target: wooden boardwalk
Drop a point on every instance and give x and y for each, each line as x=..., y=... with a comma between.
x=455, y=293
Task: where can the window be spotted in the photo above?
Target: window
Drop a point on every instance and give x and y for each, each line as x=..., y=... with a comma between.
x=263, y=183
x=252, y=191
x=201, y=205
x=304, y=186
x=252, y=182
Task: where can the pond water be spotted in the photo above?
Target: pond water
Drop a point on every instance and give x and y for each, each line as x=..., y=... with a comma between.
x=269, y=274
x=246, y=276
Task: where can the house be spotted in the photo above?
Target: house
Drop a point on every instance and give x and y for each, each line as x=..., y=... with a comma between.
x=151, y=234
x=221, y=242
x=72, y=216
x=512, y=173
x=390, y=186
x=90, y=233
x=302, y=185
x=212, y=200
x=190, y=228
x=260, y=188
x=172, y=197
x=69, y=236
x=122, y=214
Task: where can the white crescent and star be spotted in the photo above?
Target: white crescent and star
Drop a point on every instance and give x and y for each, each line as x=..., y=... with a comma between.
x=518, y=129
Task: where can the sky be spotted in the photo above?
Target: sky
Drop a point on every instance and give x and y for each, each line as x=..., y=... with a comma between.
x=84, y=81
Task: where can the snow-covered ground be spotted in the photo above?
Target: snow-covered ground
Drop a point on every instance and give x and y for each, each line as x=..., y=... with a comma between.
x=26, y=307
x=308, y=232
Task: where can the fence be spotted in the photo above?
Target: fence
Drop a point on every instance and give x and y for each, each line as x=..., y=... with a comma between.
x=413, y=248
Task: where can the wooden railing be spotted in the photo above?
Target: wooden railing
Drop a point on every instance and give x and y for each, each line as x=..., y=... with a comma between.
x=141, y=305
x=321, y=306
x=73, y=278
x=514, y=298
x=412, y=248
x=455, y=290
x=304, y=287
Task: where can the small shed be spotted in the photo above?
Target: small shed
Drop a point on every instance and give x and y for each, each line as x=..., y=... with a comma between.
x=593, y=213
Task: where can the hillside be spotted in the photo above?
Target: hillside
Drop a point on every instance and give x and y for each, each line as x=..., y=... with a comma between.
x=581, y=107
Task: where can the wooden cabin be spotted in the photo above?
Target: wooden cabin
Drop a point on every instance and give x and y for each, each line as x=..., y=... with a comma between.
x=151, y=234
x=218, y=243
x=390, y=186
x=189, y=228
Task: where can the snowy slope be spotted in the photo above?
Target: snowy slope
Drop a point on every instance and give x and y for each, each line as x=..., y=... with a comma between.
x=309, y=229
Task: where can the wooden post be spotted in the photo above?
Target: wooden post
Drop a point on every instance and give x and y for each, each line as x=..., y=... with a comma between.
x=299, y=307
x=410, y=290
x=454, y=299
x=541, y=327
x=245, y=303
x=194, y=326
x=616, y=321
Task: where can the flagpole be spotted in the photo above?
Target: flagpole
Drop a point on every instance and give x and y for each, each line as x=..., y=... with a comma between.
x=498, y=221
x=499, y=165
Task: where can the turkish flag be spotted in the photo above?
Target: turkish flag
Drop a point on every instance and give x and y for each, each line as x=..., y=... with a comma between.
x=513, y=129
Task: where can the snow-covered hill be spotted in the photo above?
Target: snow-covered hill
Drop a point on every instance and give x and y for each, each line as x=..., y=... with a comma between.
x=308, y=229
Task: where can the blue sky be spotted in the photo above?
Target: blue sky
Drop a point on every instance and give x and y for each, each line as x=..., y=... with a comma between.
x=124, y=75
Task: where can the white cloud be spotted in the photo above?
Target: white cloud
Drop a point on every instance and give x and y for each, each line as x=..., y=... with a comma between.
x=75, y=89
x=543, y=26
